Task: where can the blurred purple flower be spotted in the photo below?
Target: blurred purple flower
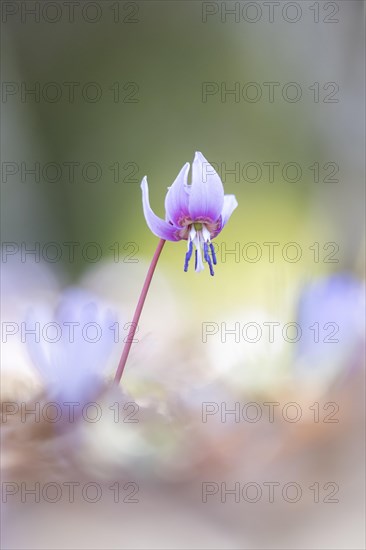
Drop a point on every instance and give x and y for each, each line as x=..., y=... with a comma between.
x=197, y=212
x=331, y=316
x=72, y=363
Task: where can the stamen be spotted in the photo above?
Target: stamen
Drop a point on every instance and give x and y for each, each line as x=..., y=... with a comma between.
x=208, y=259
x=205, y=252
x=196, y=260
x=213, y=254
x=188, y=256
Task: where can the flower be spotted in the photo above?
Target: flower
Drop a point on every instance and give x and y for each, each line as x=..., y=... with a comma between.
x=196, y=213
x=331, y=316
x=72, y=350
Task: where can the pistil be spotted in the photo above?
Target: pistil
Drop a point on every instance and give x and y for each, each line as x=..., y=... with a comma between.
x=200, y=236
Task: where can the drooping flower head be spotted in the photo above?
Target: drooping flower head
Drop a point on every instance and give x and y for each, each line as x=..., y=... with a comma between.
x=195, y=212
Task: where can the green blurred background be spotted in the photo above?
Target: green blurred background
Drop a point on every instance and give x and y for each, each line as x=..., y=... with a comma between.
x=168, y=51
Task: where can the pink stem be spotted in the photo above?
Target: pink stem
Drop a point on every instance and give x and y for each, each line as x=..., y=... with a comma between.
x=136, y=317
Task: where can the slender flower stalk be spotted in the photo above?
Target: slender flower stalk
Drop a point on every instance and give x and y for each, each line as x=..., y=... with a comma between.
x=136, y=317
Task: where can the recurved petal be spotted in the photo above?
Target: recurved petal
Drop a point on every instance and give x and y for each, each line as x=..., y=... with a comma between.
x=176, y=200
x=206, y=198
x=230, y=203
x=159, y=227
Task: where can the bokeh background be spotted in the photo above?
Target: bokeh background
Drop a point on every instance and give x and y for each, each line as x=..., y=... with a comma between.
x=159, y=54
